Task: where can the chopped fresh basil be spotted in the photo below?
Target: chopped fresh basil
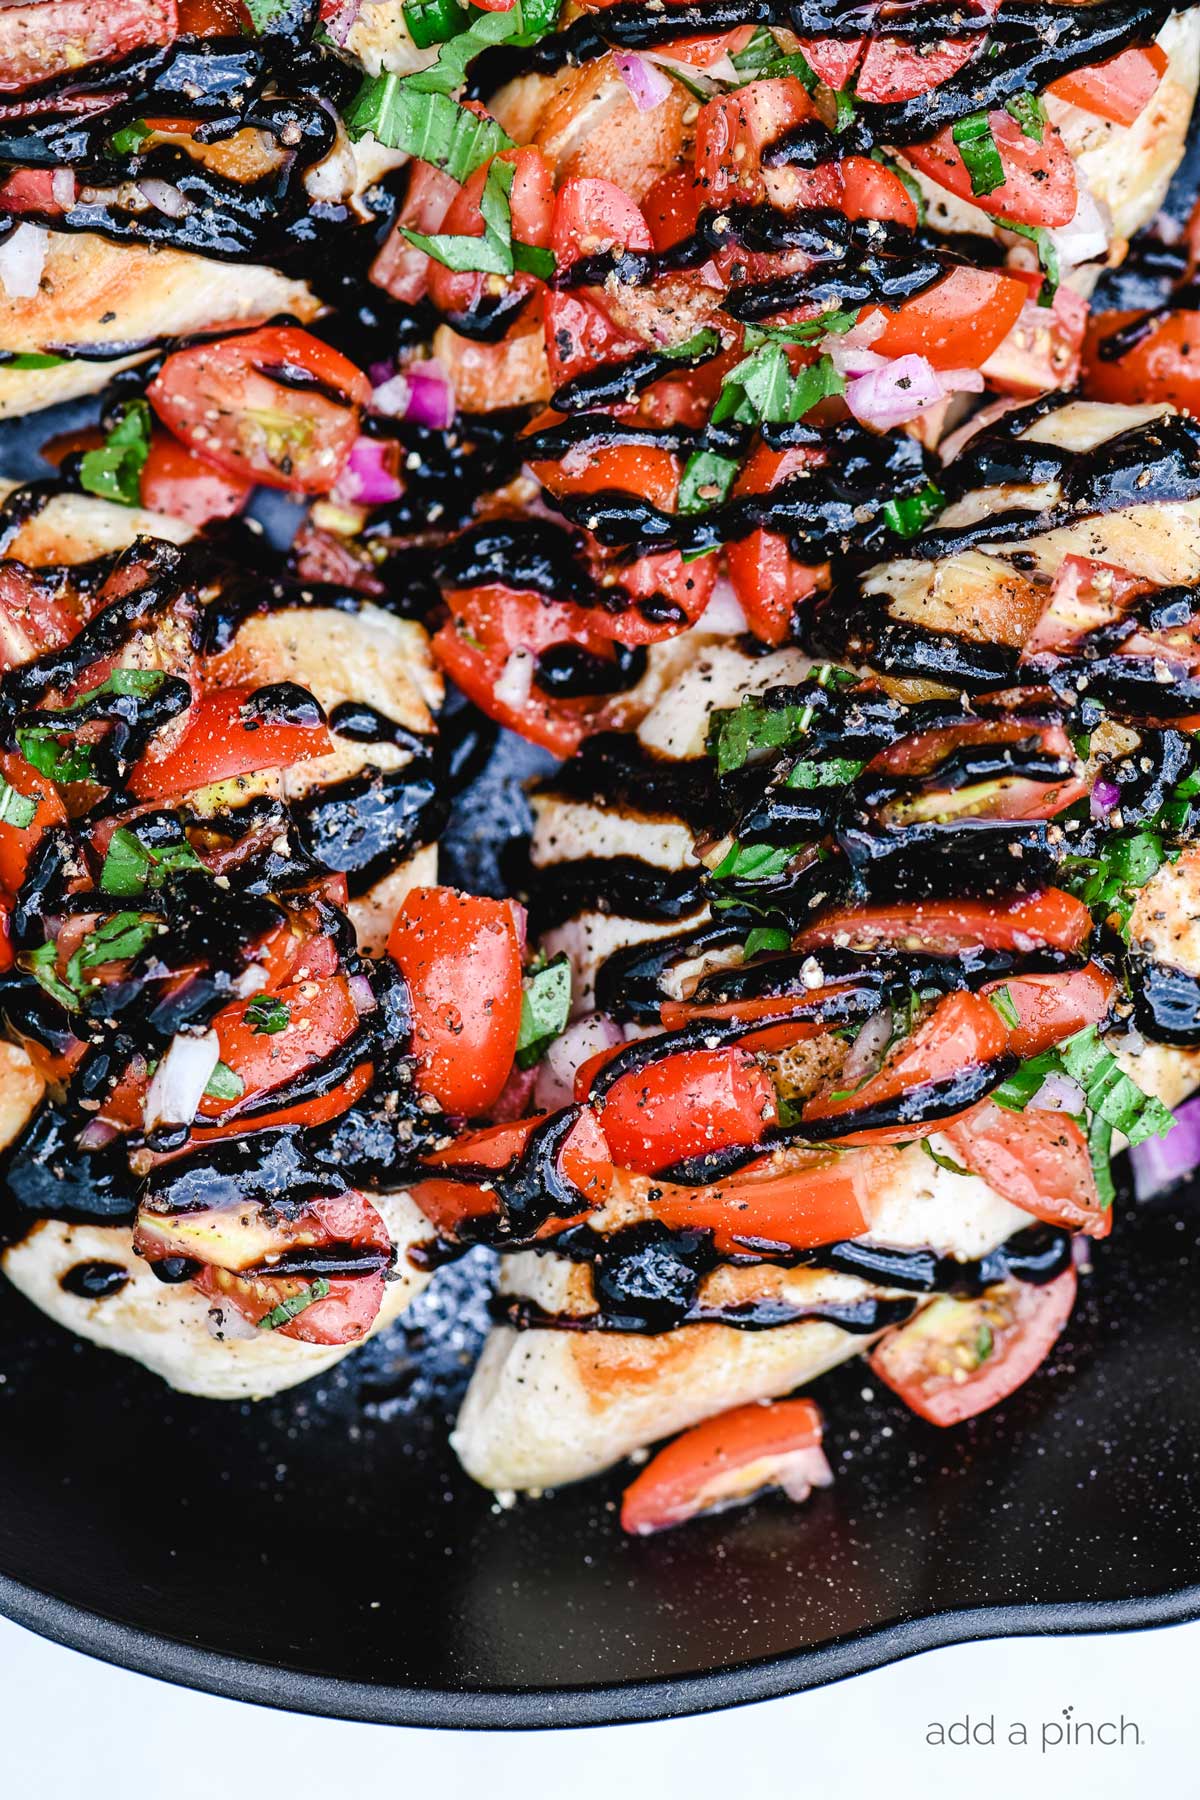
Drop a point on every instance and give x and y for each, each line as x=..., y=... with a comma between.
x=766, y=937
x=1030, y=114
x=1099, y=1143
x=706, y=342
x=225, y=1084
x=833, y=771
x=1004, y=1004
x=265, y=13
x=1109, y=882
x=130, y=866
x=909, y=517
x=762, y=389
x=545, y=1009
x=267, y=1015
x=977, y=147
x=32, y=359
x=433, y=21
x=114, y=471
x=985, y=1343
x=738, y=734
x=942, y=1161
x=294, y=1305
x=130, y=138
x=1109, y=1092
x=429, y=126
x=119, y=939
x=755, y=862
x=53, y=750
x=762, y=50
x=42, y=964
x=706, y=481
x=1047, y=250
x=16, y=809
x=495, y=252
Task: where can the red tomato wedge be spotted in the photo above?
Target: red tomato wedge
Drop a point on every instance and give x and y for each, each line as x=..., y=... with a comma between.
x=176, y=482
x=32, y=619
x=1039, y=187
x=1038, y=1160
x=49, y=38
x=767, y=579
x=958, y=1357
x=320, y=1015
x=956, y=324
x=1055, y=1006
x=727, y=1461
x=591, y=217
x=734, y=129
x=833, y=60
x=275, y=406
x=893, y=70
x=343, y=1315
x=17, y=842
x=798, y=1201
x=461, y=958
x=1118, y=90
x=531, y=202
x=1163, y=366
x=585, y=1162
x=685, y=1106
x=1048, y=918
x=226, y=737
x=962, y=1031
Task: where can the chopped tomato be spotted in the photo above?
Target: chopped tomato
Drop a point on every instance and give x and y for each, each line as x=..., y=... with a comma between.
x=400, y=268
x=531, y=200
x=958, y=1357
x=1054, y=1006
x=1043, y=350
x=1037, y=1160
x=641, y=469
x=488, y=626
x=225, y=737
x=591, y=217
x=6, y=949
x=962, y=1032
x=1086, y=596
x=275, y=406
x=17, y=842
x=343, y=1315
x=734, y=129
x=1118, y=90
x=894, y=69
x=319, y=1016
x=34, y=616
x=1039, y=186
x=957, y=323
x=995, y=796
x=768, y=580
x=49, y=37
x=176, y=482
x=672, y=208
x=833, y=60
x=667, y=593
x=798, y=1200
x=584, y=1162
x=687, y=1105
x=727, y=1461
x=461, y=958
x=1162, y=366
x=1048, y=917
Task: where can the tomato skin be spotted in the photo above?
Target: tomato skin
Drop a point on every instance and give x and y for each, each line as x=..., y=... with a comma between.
x=962, y=1031
x=531, y=201
x=894, y=70
x=800, y=1201
x=559, y=726
x=1037, y=1160
x=834, y=60
x=767, y=579
x=585, y=1162
x=1164, y=366
x=633, y=468
x=734, y=129
x=1056, y=1006
x=17, y=843
x=321, y=1016
x=220, y=399
x=461, y=958
x=347, y=1313
x=1039, y=188
x=705, y=1465
x=1043, y=350
x=590, y=217
x=1118, y=90
x=1049, y=917
x=38, y=41
x=687, y=1105
x=223, y=740
x=672, y=208
x=176, y=482
x=31, y=619
x=1023, y=1337
x=957, y=323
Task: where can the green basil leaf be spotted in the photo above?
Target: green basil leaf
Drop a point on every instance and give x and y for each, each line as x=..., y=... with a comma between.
x=294, y=1305
x=755, y=862
x=977, y=147
x=1030, y=114
x=545, y=1009
x=833, y=771
x=765, y=937
x=130, y=867
x=268, y=1015
x=225, y=1084
x=942, y=1161
x=114, y=471
x=426, y=125
x=909, y=517
x=32, y=359
x=1048, y=258
x=1004, y=1004
x=18, y=810
x=42, y=964
x=130, y=138
x=706, y=481
x=433, y=21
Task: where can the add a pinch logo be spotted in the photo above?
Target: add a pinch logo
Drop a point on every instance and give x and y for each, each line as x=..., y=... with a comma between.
x=1065, y=1732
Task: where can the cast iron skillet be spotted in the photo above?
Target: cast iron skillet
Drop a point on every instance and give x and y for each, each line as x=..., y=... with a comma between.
x=323, y=1551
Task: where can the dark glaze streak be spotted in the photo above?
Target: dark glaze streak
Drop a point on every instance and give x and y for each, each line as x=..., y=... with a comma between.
x=94, y=1280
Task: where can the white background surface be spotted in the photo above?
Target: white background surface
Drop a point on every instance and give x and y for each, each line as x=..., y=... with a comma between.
x=72, y=1729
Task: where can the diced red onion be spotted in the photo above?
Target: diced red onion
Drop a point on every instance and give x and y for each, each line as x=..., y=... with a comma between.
x=1105, y=795
x=251, y=981
x=22, y=259
x=555, y=1085
x=177, y=1085
x=338, y=17
x=422, y=393
x=95, y=1134
x=648, y=85
x=1160, y=1162
x=362, y=994
x=866, y=1052
x=165, y=198
x=1061, y=1094
x=801, y=1471
x=853, y=359
x=366, y=479
x=892, y=395
x=515, y=1096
